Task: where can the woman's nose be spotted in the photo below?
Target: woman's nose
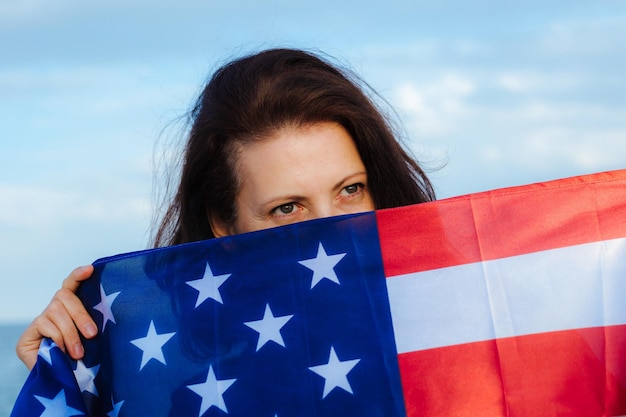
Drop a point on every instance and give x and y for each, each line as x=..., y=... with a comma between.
x=327, y=210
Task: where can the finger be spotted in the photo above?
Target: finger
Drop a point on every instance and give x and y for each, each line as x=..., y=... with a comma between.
x=58, y=312
x=78, y=275
x=77, y=312
x=74, y=306
x=28, y=344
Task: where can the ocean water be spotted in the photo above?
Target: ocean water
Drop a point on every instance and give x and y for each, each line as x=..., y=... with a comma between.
x=13, y=373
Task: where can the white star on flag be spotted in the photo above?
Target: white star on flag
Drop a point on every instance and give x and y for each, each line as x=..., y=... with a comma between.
x=104, y=306
x=57, y=406
x=44, y=349
x=335, y=373
x=116, y=408
x=212, y=392
x=269, y=328
x=152, y=345
x=86, y=377
x=208, y=286
x=323, y=266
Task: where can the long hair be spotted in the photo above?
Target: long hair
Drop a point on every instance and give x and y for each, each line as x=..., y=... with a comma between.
x=251, y=98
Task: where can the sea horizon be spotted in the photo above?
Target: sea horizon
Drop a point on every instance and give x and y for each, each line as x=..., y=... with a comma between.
x=13, y=371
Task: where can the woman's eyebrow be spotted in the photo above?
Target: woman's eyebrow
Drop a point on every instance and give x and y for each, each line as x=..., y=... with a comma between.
x=347, y=178
x=275, y=201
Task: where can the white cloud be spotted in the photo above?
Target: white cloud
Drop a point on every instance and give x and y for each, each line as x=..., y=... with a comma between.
x=516, y=139
x=587, y=149
x=25, y=11
x=433, y=109
x=592, y=115
x=40, y=208
x=98, y=89
x=586, y=36
x=29, y=13
x=537, y=82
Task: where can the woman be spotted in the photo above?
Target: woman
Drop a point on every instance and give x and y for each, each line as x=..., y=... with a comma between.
x=277, y=137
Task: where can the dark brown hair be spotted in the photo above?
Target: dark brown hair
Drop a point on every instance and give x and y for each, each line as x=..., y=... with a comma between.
x=251, y=98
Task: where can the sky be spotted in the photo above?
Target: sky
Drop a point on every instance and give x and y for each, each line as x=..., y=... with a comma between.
x=485, y=94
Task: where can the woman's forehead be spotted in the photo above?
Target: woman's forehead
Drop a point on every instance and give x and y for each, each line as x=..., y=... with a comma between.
x=293, y=157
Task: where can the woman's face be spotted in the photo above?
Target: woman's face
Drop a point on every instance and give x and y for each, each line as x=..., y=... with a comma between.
x=298, y=174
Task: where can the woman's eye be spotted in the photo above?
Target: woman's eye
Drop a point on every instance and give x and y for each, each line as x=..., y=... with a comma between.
x=352, y=189
x=285, y=208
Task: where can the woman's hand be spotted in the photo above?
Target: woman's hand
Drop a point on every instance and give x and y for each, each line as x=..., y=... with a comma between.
x=60, y=321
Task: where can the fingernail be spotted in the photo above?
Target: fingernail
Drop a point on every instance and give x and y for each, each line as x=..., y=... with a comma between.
x=90, y=330
x=78, y=350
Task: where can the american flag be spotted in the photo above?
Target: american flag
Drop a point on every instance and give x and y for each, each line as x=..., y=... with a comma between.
x=286, y=322
x=505, y=303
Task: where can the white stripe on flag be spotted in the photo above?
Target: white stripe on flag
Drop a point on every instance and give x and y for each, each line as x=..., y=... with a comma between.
x=560, y=289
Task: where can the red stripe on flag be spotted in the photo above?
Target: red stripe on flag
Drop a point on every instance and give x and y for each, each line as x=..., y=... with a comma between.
x=568, y=373
x=503, y=223
x=452, y=246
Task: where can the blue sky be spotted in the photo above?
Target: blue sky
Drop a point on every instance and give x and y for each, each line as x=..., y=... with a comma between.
x=495, y=94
